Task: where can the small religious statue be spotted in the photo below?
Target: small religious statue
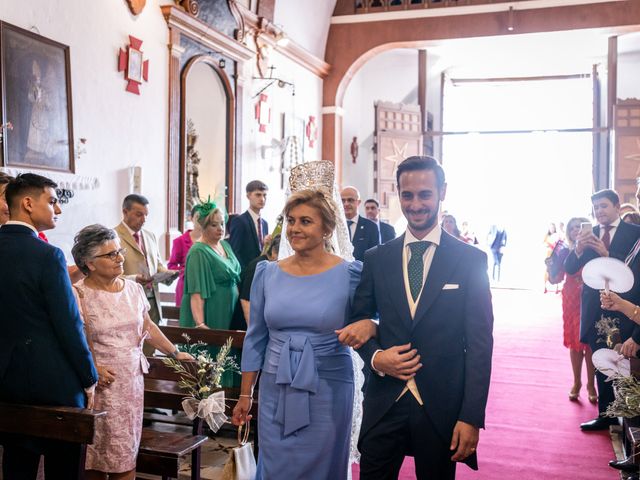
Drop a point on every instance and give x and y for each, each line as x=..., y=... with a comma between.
x=354, y=149
x=193, y=160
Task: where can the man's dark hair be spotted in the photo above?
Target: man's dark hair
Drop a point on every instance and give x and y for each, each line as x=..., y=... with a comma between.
x=26, y=184
x=608, y=194
x=129, y=200
x=412, y=164
x=255, y=185
x=372, y=200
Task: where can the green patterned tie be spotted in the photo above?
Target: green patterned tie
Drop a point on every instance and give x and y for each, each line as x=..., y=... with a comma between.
x=416, y=267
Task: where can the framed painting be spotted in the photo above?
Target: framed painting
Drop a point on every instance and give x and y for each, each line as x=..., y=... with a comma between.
x=35, y=97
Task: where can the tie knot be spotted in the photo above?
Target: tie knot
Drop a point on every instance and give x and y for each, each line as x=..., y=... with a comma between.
x=418, y=248
x=350, y=222
x=136, y=236
x=607, y=228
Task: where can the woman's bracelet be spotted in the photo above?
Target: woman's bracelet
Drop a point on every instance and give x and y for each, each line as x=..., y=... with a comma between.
x=247, y=396
x=634, y=315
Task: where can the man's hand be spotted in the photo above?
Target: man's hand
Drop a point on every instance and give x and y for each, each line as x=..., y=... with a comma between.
x=464, y=440
x=589, y=240
x=90, y=392
x=357, y=334
x=629, y=348
x=400, y=362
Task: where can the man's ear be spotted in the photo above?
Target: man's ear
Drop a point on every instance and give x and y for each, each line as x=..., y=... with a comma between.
x=27, y=203
x=443, y=192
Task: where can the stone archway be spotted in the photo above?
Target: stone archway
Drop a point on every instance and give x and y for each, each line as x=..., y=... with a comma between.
x=352, y=43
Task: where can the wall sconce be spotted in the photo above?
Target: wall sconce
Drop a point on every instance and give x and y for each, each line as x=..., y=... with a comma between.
x=510, y=26
x=222, y=63
x=80, y=149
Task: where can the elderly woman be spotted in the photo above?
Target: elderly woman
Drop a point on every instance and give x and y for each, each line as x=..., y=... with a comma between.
x=306, y=387
x=211, y=278
x=115, y=314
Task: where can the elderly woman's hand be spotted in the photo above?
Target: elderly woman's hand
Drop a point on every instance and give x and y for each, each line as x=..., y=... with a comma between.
x=184, y=356
x=106, y=376
x=357, y=334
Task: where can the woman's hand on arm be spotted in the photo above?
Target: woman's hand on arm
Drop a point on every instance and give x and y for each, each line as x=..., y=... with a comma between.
x=106, y=376
x=243, y=406
x=358, y=333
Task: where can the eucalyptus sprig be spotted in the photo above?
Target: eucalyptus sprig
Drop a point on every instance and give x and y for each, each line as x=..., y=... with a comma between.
x=201, y=378
x=627, y=397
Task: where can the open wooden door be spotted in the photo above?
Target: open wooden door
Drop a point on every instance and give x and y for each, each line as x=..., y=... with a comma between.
x=397, y=136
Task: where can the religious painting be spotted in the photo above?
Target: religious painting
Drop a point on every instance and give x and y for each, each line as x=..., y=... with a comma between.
x=36, y=99
x=134, y=68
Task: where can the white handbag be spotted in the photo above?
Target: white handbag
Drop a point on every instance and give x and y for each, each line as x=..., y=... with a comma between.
x=241, y=464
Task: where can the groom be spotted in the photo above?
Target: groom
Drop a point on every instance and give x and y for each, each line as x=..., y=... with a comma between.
x=432, y=352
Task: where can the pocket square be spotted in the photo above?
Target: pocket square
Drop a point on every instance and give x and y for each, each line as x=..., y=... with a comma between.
x=450, y=286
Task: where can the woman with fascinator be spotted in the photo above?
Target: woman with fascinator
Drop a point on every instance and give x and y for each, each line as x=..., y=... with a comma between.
x=211, y=278
x=298, y=305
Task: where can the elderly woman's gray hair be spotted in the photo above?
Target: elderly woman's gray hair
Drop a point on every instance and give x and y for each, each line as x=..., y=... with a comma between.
x=88, y=241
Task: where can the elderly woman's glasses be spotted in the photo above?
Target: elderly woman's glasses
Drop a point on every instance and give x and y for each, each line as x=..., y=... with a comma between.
x=113, y=256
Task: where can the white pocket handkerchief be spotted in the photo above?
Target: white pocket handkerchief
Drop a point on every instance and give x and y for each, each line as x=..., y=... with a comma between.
x=450, y=286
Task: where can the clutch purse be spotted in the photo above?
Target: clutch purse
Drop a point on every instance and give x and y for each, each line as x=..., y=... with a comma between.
x=241, y=464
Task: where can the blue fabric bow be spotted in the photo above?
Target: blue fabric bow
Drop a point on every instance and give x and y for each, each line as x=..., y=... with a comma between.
x=298, y=376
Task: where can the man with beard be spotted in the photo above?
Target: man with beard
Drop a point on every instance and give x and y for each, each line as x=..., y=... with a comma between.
x=432, y=352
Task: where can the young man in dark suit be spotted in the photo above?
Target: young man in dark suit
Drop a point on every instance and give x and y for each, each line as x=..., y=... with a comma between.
x=372, y=211
x=610, y=238
x=431, y=356
x=44, y=356
x=363, y=233
x=247, y=231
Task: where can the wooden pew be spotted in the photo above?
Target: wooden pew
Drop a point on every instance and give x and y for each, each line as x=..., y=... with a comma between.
x=218, y=338
x=631, y=426
x=162, y=452
x=67, y=424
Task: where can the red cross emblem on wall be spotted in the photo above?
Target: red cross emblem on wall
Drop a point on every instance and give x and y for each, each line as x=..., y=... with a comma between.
x=135, y=68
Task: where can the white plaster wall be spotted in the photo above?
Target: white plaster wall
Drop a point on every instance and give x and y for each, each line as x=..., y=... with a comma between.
x=306, y=22
x=121, y=129
x=206, y=105
x=306, y=102
x=391, y=76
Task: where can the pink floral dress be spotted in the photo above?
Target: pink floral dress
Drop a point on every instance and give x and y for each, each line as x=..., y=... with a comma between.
x=114, y=325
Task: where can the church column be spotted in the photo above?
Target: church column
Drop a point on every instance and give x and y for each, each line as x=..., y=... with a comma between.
x=332, y=137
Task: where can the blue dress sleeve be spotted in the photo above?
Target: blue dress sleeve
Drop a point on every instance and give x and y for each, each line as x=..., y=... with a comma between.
x=255, y=341
x=355, y=272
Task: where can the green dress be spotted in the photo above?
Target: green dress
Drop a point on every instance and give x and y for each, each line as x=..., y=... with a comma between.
x=216, y=279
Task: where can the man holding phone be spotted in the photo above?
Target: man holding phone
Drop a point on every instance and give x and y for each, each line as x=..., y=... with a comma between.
x=610, y=238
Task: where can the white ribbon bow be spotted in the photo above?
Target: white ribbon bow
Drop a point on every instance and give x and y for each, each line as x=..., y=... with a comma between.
x=211, y=409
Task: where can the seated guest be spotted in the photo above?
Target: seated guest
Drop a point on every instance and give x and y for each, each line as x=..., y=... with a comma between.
x=116, y=319
x=181, y=246
x=246, y=278
x=44, y=356
x=372, y=211
x=211, y=278
x=247, y=231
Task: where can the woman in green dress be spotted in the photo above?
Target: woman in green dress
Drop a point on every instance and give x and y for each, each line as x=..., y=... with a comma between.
x=211, y=278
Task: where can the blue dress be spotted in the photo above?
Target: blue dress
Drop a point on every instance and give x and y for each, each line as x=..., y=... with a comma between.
x=306, y=385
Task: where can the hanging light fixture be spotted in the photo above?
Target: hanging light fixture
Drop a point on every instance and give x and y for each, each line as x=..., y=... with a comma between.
x=510, y=26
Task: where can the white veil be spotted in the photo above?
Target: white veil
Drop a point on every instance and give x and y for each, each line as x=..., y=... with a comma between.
x=320, y=175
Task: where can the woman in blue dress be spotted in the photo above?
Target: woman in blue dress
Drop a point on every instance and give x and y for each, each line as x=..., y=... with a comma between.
x=306, y=389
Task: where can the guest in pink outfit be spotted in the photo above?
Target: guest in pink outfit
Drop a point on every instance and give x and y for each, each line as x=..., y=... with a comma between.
x=179, y=250
x=117, y=323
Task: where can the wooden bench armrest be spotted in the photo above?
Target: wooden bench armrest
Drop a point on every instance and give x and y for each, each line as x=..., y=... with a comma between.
x=69, y=424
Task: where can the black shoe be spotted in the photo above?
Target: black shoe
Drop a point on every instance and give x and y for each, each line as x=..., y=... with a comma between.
x=635, y=476
x=599, y=423
x=625, y=465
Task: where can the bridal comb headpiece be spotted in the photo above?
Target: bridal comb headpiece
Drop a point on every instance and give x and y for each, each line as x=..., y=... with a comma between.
x=318, y=175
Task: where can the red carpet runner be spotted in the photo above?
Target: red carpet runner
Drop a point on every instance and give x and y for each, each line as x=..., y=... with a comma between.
x=532, y=428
